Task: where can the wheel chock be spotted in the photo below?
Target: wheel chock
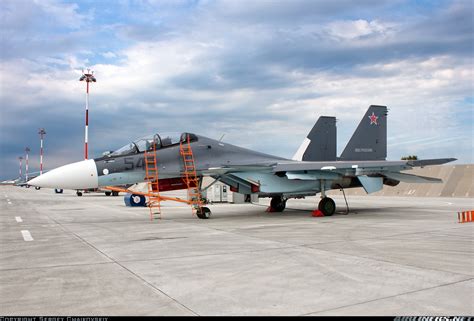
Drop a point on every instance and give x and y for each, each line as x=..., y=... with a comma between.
x=270, y=209
x=317, y=213
x=466, y=216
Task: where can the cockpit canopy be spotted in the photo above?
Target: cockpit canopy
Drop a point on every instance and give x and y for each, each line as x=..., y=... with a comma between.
x=163, y=140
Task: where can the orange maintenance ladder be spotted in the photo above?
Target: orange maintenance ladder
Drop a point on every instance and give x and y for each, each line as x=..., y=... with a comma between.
x=190, y=175
x=151, y=177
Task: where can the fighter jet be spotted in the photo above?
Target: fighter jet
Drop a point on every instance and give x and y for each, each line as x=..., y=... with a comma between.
x=21, y=181
x=314, y=169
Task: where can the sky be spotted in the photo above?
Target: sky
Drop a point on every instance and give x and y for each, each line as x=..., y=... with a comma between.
x=259, y=72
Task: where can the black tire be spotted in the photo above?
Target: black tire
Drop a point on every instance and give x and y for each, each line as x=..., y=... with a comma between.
x=78, y=193
x=203, y=213
x=37, y=188
x=108, y=193
x=27, y=186
x=327, y=206
x=278, y=204
x=115, y=193
x=58, y=190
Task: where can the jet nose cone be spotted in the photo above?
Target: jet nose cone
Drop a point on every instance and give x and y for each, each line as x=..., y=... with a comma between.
x=79, y=175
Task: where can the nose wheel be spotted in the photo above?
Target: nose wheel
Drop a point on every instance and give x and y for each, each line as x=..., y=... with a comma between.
x=327, y=206
x=203, y=213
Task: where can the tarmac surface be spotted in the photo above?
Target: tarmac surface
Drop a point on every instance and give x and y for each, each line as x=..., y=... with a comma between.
x=68, y=255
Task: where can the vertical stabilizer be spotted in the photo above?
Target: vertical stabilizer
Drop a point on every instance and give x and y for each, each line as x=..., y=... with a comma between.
x=320, y=144
x=369, y=141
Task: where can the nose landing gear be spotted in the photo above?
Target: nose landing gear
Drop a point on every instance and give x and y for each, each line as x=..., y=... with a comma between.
x=203, y=213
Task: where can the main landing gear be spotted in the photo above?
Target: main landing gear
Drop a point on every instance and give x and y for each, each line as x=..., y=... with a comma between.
x=277, y=204
x=327, y=206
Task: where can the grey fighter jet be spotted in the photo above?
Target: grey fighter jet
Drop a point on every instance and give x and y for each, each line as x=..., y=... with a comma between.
x=314, y=169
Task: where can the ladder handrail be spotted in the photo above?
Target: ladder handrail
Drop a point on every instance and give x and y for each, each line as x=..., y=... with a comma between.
x=152, y=179
x=190, y=174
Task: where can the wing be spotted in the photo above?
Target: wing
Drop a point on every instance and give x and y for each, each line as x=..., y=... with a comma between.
x=371, y=174
x=299, y=177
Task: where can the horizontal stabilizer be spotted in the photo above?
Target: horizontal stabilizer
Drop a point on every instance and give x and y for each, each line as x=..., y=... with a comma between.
x=371, y=184
x=428, y=162
x=409, y=178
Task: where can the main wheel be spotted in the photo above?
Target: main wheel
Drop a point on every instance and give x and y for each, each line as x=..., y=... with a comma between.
x=78, y=193
x=107, y=193
x=37, y=188
x=327, y=206
x=115, y=193
x=58, y=190
x=203, y=213
x=278, y=204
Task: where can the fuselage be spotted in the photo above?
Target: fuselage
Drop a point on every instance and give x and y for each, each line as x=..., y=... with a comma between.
x=128, y=167
x=208, y=153
x=244, y=170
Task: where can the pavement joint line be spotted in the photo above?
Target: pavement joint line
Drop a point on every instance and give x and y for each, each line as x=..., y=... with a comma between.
x=126, y=269
x=390, y=262
x=26, y=235
x=390, y=296
x=18, y=219
x=53, y=266
x=211, y=254
x=368, y=258
x=380, y=237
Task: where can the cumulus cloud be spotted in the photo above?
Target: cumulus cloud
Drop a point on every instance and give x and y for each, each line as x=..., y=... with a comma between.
x=260, y=72
x=352, y=29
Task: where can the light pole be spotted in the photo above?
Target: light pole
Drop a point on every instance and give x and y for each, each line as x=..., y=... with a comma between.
x=27, y=150
x=87, y=77
x=41, y=132
x=21, y=165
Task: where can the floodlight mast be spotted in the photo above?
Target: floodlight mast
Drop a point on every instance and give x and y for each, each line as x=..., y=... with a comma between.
x=27, y=150
x=20, y=158
x=41, y=132
x=87, y=77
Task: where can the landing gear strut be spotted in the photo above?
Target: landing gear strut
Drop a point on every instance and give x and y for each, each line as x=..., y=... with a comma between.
x=277, y=204
x=326, y=205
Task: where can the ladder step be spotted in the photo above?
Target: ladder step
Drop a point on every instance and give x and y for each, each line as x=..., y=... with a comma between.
x=151, y=176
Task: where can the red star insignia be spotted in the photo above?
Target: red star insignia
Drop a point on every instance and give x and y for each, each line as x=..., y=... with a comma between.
x=373, y=119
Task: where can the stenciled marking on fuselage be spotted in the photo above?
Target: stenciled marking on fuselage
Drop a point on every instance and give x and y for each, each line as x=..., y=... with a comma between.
x=131, y=164
x=126, y=163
